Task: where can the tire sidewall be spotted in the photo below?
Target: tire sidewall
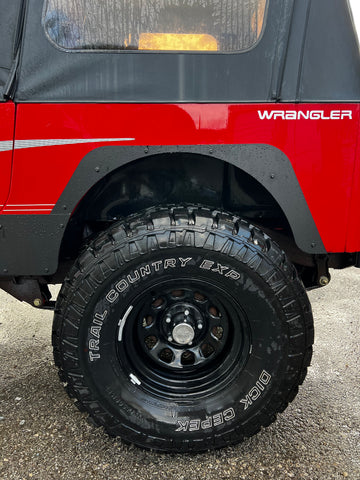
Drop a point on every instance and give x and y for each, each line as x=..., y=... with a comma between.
x=251, y=386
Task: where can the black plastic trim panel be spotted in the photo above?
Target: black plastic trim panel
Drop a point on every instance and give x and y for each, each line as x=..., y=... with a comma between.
x=30, y=244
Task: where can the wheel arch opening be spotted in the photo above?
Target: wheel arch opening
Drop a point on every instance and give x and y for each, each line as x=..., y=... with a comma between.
x=174, y=178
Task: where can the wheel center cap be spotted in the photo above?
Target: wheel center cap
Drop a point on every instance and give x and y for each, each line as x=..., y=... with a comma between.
x=183, y=333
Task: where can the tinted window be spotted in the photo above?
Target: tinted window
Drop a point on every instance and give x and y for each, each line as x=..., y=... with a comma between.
x=175, y=25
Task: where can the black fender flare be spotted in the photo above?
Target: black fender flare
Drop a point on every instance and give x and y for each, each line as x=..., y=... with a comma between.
x=30, y=244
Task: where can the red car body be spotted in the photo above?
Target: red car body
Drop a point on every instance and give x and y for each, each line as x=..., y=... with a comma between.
x=323, y=151
x=186, y=170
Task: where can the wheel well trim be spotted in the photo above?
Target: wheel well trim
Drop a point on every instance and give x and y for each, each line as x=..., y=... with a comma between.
x=265, y=163
x=42, y=235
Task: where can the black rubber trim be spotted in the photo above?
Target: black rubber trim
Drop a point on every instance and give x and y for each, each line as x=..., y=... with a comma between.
x=30, y=244
x=267, y=164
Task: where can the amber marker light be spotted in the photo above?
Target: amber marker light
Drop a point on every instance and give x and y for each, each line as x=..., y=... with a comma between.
x=177, y=41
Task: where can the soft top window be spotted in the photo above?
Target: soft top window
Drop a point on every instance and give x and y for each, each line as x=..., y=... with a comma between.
x=155, y=25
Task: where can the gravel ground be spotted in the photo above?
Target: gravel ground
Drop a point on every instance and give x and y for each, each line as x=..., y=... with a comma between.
x=43, y=436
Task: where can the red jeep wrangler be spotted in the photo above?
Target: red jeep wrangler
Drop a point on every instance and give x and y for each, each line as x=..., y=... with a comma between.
x=186, y=169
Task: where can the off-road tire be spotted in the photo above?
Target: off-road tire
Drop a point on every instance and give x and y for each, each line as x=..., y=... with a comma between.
x=182, y=329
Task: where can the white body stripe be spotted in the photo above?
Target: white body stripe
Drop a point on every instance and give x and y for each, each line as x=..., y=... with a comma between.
x=6, y=146
x=32, y=205
x=27, y=210
x=20, y=144
x=29, y=207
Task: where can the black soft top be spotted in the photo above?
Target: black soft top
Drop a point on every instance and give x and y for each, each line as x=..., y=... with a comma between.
x=308, y=52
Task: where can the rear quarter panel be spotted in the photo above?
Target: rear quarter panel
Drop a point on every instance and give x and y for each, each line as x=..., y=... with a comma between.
x=321, y=149
x=7, y=116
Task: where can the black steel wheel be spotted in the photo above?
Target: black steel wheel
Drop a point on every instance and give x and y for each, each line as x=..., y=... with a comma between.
x=182, y=329
x=183, y=338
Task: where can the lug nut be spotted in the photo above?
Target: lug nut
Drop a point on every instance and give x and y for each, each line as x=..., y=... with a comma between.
x=168, y=320
x=38, y=302
x=186, y=312
x=323, y=280
x=170, y=339
x=199, y=325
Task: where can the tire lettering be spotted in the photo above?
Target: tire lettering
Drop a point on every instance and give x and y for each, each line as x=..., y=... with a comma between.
x=112, y=296
x=93, y=344
x=256, y=391
x=265, y=377
x=218, y=419
x=206, y=264
x=214, y=420
x=260, y=386
x=136, y=275
x=135, y=278
x=99, y=319
x=95, y=331
x=184, y=261
x=145, y=270
x=229, y=414
x=122, y=286
x=246, y=401
x=156, y=265
x=182, y=426
x=206, y=423
x=220, y=269
x=233, y=275
x=194, y=425
x=93, y=356
x=170, y=262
